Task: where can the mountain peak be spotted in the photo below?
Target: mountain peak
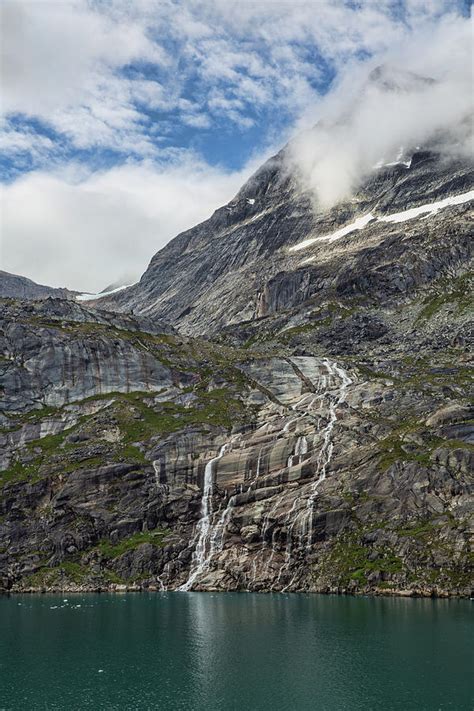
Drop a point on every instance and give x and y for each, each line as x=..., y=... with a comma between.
x=390, y=78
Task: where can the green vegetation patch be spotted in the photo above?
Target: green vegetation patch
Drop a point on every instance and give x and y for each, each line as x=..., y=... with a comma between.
x=397, y=447
x=138, y=420
x=349, y=560
x=458, y=292
x=115, y=550
x=419, y=529
x=67, y=572
x=219, y=408
x=321, y=318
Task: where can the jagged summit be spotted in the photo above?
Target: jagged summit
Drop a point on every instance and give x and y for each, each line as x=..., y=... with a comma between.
x=390, y=78
x=239, y=264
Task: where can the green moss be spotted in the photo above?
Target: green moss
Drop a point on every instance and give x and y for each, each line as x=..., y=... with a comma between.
x=422, y=378
x=218, y=408
x=130, y=453
x=17, y=472
x=372, y=374
x=33, y=471
x=50, y=443
x=67, y=572
x=393, y=448
x=349, y=560
x=457, y=292
x=391, y=451
x=290, y=333
x=114, y=550
x=86, y=463
x=420, y=529
x=322, y=317
x=17, y=420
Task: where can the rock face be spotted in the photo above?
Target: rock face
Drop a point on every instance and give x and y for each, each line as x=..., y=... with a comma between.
x=244, y=263
x=183, y=463
x=65, y=369
x=19, y=287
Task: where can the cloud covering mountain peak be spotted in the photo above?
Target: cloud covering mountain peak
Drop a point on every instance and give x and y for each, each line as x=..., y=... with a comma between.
x=421, y=93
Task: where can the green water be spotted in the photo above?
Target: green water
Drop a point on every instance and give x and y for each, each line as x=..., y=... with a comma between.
x=198, y=651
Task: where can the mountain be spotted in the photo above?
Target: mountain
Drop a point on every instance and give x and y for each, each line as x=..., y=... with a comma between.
x=391, y=79
x=19, y=287
x=282, y=402
x=244, y=263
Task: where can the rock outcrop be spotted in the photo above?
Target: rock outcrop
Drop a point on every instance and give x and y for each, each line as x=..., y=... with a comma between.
x=14, y=286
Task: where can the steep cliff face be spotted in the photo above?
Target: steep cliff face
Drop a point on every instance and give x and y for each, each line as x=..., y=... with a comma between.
x=134, y=457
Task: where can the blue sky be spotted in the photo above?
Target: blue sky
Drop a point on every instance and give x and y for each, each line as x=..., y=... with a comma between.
x=139, y=118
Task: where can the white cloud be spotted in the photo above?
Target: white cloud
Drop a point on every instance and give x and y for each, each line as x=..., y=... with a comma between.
x=56, y=54
x=59, y=63
x=86, y=231
x=362, y=122
x=63, y=61
x=13, y=141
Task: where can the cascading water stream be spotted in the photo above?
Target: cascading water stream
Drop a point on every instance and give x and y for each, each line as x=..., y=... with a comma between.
x=217, y=538
x=301, y=448
x=328, y=394
x=200, y=560
x=327, y=447
x=301, y=525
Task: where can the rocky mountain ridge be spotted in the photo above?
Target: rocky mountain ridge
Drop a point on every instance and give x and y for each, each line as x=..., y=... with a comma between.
x=13, y=286
x=257, y=270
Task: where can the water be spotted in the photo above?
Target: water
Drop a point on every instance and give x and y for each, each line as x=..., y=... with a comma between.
x=239, y=652
x=201, y=555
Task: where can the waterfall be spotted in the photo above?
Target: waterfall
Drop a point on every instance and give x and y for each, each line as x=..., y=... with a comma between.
x=286, y=516
x=218, y=532
x=299, y=522
x=163, y=489
x=301, y=448
x=156, y=468
x=161, y=583
x=327, y=446
x=200, y=560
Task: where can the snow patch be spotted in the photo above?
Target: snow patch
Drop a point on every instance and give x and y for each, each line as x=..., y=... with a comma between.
x=398, y=161
x=428, y=209
x=251, y=201
x=358, y=224
x=92, y=297
x=406, y=163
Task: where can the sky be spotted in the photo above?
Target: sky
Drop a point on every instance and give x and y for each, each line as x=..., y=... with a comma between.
x=124, y=122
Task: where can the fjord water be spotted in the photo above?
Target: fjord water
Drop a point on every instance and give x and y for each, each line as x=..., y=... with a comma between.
x=239, y=652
